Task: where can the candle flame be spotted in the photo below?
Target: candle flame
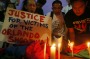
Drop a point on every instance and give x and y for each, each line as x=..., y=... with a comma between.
x=59, y=44
x=88, y=44
x=71, y=44
x=53, y=51
x=53, y=45
x=68, y=41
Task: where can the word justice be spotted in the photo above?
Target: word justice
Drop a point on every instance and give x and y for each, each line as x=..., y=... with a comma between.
x=26, y=15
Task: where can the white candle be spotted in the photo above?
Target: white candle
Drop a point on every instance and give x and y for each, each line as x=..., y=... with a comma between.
x=71, y=46
x=88, y=45
x=59, y=47
x=58, y=40
x=53, y=52
x=45, y=51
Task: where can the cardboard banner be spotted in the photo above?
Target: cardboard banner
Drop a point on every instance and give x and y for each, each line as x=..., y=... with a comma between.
x=23, y=27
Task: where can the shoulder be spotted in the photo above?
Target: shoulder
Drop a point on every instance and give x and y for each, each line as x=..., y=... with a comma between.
x=69, y=13
x=87, y=12
x=88, y=9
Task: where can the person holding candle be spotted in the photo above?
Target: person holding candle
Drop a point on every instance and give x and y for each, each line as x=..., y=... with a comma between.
x=78, y=23
x=59, y=29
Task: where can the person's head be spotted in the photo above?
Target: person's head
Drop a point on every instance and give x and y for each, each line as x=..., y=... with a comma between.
x=41, y=3
x=11, y=5
x=68, y=1
x=78, y=6
x=29, y=5
x=57, y=7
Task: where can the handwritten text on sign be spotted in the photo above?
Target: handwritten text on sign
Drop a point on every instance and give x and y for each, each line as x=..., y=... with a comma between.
x=20, y=26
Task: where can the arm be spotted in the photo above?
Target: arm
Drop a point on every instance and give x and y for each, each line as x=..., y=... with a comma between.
x=71, y=34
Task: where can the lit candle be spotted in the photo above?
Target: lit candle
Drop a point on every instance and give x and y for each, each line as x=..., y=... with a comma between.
x=71, y=46
x=59, y=47
x=88, y=45
x=45, y=51
x=53, y=52
x=58, y=42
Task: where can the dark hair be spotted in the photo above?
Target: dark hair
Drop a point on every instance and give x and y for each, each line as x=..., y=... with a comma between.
x=57, y=1
x=72, y=1
x=12, y=4
x=41, y=2
x=24, y=3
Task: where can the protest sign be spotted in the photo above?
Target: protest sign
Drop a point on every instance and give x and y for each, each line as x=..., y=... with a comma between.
x=23, y=27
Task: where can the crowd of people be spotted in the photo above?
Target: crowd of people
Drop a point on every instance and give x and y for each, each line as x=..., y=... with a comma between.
x=72, y=22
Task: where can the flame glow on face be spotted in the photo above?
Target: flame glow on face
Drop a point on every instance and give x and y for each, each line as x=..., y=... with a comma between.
x=78, y=7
